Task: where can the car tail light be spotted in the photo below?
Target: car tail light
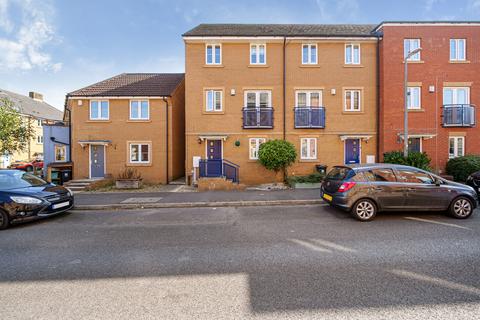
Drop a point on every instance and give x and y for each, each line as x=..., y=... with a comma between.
x=346, y=186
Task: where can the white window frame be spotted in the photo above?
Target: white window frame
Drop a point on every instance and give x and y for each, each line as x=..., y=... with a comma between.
x=455, y=96
x=212, y=108
x=139, y=106
x=309, y=53
x=139, y=144
x=99, y=114
x=352, y=56
x=57, y=147
x=352, y=100
x=416, y=56
x=257, y=53
x=213, y=46
x=410, y=101
x=456, y=43
x=308, y=142
x=456, y=140
x=309, y=97
x=257, y=97
x=253, y=152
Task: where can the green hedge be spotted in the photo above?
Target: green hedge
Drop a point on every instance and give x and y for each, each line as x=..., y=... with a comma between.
x=415, y=159
x=311, y=178
x=461, y=167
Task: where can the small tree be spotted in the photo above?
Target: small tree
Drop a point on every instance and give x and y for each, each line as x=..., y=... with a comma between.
x=415, y=159
x=277, y=155
x=15, y=130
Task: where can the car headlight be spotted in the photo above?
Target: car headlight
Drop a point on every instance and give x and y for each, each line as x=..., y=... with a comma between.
x=25, y=200
x=70, y=192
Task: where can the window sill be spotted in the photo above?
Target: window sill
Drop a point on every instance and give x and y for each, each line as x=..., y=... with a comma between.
x=213, y=112
x=258, y=66
x=416, y=110
x=308, y=160
x=353, y=66
x=139, y=121
x=459, y=61
x=415, y=61
x=213, y=66
x=353, y=112
x=310, y=65
x=129, y=164
x=98, y=121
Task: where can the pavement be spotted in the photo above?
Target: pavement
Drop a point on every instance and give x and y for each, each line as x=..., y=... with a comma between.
x=283, y=262
x=129, y=200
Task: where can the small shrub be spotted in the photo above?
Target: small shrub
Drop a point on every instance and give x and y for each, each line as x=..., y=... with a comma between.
x=415, y=159
x=105, y=184
x=277, y=155
x=461, y=167
x=311, y=178
x=129, y=174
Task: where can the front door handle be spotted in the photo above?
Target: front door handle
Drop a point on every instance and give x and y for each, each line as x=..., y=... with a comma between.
x=377, y=188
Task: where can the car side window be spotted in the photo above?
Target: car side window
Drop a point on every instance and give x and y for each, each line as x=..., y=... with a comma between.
x=380, y=175
x=415, y=176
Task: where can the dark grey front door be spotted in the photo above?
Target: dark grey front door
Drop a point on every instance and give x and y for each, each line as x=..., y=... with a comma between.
x=97, y=161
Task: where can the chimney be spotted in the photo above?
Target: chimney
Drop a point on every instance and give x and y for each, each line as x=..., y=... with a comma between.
x=36, y=96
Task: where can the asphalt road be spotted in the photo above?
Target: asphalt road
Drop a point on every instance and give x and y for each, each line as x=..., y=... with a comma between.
x=308, y=262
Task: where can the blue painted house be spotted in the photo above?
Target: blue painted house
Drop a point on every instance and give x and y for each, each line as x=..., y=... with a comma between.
x=56, y=150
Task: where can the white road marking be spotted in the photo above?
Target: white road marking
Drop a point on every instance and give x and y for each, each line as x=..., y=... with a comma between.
x=309, y=245
x=437, y=281
x=142, y=200
x=333, y=245
x=437, y=222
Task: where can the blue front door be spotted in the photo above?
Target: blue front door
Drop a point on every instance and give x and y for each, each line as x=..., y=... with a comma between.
x=97, y=161
x=352, y=151
x=214, y=157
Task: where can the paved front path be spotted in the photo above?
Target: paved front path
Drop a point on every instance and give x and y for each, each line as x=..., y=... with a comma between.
x=308, y=262
x=211, y=196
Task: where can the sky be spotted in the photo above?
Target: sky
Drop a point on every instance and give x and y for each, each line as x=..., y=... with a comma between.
x=57, y=46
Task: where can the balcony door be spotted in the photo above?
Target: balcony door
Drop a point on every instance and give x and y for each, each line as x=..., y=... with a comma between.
x=258, y=99
x=456, y=95
x=307, y=99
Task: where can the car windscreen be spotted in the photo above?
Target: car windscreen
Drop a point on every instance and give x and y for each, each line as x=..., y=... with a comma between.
x=19, y=179
x=340, y=173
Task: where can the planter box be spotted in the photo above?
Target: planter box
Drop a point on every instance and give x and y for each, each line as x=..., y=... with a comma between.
x=128, y=183
x=299, y=185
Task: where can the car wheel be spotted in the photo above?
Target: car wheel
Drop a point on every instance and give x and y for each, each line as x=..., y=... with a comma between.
x=29, y=169
x=4, y=220
x=461, y=208
x=364, y=210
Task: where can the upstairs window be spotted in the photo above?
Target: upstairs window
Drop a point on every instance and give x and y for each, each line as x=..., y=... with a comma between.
x=352, y=100
x=258, y=54
x=258, y=99
x=408, y=46
x=457, y=50
x=456, y=95
x=352, y=54
x=309, y=54
x=213, y=54
x=308, y=99
x=214, y=101
x=139, y=110
x=99, y=110
x=413, y=98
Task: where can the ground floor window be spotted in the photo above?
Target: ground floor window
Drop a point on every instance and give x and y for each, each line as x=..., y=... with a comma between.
x=308, y=148
x=414, y=144
x=254, y=146
x=139, y=153
x=456, y=147
x=60, y=153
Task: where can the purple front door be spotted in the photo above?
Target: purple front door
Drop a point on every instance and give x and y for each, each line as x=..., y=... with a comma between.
x=214, y=158
x=352, y=151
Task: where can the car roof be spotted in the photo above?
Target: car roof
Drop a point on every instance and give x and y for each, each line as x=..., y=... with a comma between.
x=365, y=166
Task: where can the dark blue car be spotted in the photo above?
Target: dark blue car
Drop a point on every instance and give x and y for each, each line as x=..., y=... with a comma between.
x=24, y=197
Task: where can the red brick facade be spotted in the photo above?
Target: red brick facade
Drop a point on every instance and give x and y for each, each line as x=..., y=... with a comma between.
x=432, y=73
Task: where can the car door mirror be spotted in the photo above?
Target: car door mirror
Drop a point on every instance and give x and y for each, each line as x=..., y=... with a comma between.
x=438, y=182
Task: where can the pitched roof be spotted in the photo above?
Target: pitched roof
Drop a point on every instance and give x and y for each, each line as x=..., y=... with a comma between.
x=34, y=108
x=289, y=30
x=133, y=84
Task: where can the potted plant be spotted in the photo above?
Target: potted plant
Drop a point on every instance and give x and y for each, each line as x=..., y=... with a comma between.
x=129, y=179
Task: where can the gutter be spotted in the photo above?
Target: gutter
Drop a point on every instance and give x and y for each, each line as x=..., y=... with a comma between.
x=167, y=137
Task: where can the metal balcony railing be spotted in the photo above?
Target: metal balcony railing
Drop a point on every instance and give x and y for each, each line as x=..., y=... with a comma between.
x=213, y=168
x=257, y=118
x=309, y=117
x=458, y=115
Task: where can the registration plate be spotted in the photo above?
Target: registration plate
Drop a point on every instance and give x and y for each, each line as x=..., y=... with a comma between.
x=60, y=205
x=327, y=197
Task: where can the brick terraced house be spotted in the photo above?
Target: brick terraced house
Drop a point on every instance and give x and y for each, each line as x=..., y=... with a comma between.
x=133, y=120
x=443, y=86
x=313, y=85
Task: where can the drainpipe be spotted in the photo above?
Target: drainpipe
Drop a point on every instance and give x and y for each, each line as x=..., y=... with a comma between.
x=167, y=135
x=284, y=89
x=378, y=99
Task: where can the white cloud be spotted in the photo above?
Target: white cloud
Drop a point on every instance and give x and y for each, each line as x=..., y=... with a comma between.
x=24, y=43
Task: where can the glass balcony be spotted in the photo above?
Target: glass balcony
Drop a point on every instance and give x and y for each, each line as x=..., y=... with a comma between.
x=257, y=118
x=458, y=115
x=309, y=117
